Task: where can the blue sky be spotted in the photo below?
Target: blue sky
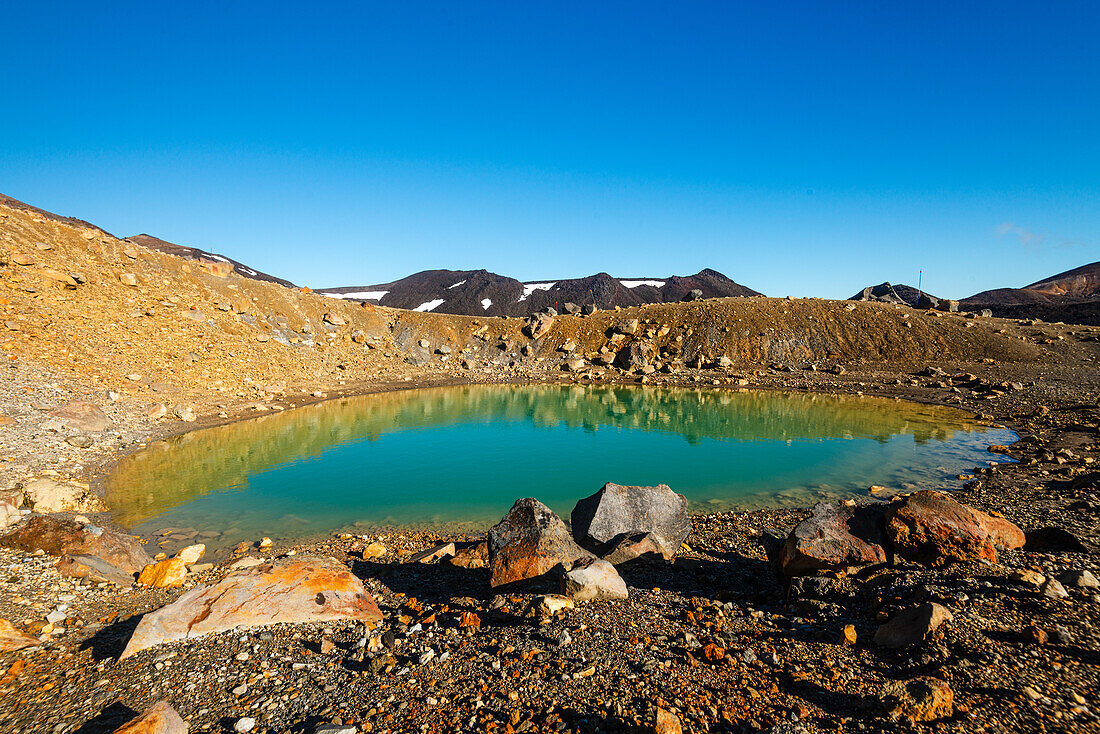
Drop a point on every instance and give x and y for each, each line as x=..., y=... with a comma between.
x=805, y=148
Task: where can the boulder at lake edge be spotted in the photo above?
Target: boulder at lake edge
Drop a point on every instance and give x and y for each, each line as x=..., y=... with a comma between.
x=616, y=511
x=530, y=543
x=931, y=527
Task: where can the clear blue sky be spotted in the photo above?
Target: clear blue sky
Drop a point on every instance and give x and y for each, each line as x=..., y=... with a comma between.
x=805, y=148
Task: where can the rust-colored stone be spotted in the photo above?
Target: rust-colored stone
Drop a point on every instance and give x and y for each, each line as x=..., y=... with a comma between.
x=300, y=589
x=931, y=527
x=12, y=639
x=160, y=718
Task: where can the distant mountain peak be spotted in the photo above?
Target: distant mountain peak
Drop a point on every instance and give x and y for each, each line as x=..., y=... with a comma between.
x=477, y=292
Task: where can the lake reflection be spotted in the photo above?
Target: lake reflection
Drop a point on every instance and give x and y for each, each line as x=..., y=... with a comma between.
x=464, y=454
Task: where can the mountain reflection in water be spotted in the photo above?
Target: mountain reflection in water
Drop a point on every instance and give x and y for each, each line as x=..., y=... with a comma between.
x=465, y=453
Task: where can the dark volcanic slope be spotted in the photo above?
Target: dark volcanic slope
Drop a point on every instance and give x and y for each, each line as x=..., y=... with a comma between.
x=888, y=293
x=1072, y=296
x=478, y=292
x=193, y=253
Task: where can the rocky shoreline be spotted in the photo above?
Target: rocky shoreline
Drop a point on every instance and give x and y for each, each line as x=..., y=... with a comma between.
x=793, y=656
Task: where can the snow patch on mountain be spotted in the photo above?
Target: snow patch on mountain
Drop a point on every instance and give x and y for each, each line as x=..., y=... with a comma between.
x=529, y=288
x=636, y=283
x=430, y=305
x=486, y=302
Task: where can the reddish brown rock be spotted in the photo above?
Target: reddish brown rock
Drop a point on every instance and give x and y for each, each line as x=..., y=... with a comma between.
x=530, y=542
x=475, y=555
x=160, y=718
x=931, y=527
x=912, y=625
x=834, y=537
x=94, y=569
x=81, y=416
x=12, y=639
x=297, y=589
x=59, y=537
x=919, y=699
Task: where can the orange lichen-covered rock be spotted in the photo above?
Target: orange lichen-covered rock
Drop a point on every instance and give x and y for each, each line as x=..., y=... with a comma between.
x=298, y=589
x=931, y=527
x=530, y=542
x=160, y=718
x=164, y=574
x=12, y=639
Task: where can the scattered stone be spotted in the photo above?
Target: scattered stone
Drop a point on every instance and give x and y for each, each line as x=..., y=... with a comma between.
x=184, y=412
x=164, y=574
x=1080, y=579
x=919, y=699
x=160, y=718
x=592, y=579
x=912, y=625
x=434, y=554
x=475, y=555
x=1052, y=589
x=80, y=441
x=549, y=604
x=128, y=279
x=334, y=318
x=600, y=522
x=192, y=553
x=374, y=550
x=59, y=537
x=49, y=495
x=11, y=639
x=538, y=325
x=93, y=568
x=302, y=589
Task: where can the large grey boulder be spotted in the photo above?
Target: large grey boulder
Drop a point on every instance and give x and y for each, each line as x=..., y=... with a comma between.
x=601, y=521
x=530, y=544
x=538, y=325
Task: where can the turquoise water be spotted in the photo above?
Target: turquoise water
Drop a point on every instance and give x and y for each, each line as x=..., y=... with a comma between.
x=459, y=457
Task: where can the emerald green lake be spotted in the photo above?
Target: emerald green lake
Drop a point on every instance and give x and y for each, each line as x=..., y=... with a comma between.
x=459, y=457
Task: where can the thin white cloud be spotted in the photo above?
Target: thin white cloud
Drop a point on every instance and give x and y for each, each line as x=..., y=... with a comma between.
x=1035, y=241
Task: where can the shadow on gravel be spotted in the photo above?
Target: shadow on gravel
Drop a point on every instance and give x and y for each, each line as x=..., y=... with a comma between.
x=110, y=641
x=836, y=703
x=430, y=583
x=108, y=719
x=733, y=576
